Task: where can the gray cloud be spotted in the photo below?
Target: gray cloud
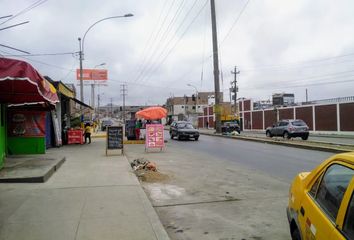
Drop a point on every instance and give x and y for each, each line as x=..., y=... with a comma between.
x=270, y=32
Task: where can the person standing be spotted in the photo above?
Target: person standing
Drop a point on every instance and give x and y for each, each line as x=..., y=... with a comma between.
x=138, y=125
x=87, y=132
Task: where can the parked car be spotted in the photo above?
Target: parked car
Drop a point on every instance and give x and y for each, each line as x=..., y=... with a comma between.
x=105, y=124
x=321, y=202
x=288, y=129
x=182, y=129
x=229, y=127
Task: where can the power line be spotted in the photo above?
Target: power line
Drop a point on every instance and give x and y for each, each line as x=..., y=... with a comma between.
x=205, y=59
x=174, y=46
x=19, y=50
x=15, y=25
x=235, y=22
x=40, y=62
x=154, y=41
x=7, y=16
x=295, y=64
x=152, y=57
x=30, y=7
x=41, y=54
x=148, y=43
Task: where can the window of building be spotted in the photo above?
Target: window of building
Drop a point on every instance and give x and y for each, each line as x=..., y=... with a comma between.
x=348, y=227
x=332, y=188
x=193, y=107
x=182, y=106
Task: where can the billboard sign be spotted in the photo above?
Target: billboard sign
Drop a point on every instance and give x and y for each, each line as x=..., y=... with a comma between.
x=92, y=74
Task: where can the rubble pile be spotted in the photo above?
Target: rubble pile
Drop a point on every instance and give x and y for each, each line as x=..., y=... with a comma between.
x=146, y=171
x=142, y=163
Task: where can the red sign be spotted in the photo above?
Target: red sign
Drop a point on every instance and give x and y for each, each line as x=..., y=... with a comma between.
x=154, y=136
x=75, y=136
x=26, y=124
x=92, y=74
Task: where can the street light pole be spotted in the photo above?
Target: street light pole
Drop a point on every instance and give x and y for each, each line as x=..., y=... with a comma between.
x=81, y=81
x=81, y=53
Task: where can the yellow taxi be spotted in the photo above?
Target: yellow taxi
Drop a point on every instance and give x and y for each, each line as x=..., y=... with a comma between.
x=321, y=202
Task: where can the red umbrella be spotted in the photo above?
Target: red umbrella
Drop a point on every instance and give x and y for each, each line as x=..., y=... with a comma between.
x=20, y=83
x=152, y=113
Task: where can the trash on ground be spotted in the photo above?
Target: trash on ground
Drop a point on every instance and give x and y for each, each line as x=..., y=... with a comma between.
x=141, y=163
x=146, y=171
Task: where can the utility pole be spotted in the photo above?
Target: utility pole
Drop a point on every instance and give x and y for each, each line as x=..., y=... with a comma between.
x=307, y=96
x=123, y=92
x=98, y=105
x=216, y=68
x=234, y=88
x=81, y=72
x=111, y=107
x=93, y=95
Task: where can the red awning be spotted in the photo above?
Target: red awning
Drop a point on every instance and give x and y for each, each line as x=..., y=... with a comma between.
x=21, y=84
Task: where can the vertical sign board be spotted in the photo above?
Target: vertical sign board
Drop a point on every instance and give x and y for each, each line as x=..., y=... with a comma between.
x=57, y=131
x=114, y=138
x=154, y=136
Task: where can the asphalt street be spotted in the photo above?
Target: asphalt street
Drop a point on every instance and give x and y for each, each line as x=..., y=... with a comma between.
x=220, y=188
x=278, y=161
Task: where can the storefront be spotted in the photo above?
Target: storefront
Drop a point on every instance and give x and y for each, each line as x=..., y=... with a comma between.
x=67, y=111
x=25, y=97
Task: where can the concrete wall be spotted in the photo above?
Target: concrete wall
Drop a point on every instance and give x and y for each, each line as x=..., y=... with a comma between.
x=330, y=117
x=257, y=120
x=305, y=113
x=346, y=116
x=326, y=117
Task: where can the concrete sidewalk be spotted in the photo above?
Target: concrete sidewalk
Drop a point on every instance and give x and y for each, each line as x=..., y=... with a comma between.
x=90, y=197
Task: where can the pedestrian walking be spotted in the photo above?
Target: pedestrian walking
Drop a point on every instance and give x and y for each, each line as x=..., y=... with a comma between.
x=87, y=132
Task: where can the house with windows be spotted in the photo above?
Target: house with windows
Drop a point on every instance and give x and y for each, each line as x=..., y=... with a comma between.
x=187, y=107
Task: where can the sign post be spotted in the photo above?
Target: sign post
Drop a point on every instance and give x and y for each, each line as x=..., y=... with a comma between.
x=114, y=139
x=154, y=136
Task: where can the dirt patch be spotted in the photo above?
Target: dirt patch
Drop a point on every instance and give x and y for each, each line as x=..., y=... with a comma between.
x=151, y=176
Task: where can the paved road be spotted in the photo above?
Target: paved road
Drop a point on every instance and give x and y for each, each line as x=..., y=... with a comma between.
x=316, y=138
x=278, y=161
x=221, y=188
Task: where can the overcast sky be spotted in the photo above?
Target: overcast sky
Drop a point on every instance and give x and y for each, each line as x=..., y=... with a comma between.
x=278, y=45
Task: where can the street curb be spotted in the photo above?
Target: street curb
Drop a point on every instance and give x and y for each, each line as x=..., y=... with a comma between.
x=38, y=179
x=287, y=144
x=154, y=219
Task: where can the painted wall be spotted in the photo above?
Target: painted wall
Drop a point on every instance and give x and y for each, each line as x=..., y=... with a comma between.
x=28, y=145
x=2, y=135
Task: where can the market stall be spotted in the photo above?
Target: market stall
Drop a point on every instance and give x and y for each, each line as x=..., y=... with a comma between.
x=27, y=96
x=154, y=137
